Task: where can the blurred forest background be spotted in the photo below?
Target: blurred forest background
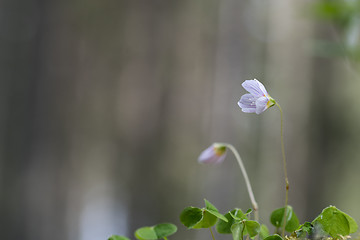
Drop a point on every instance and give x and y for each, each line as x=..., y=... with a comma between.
x=106, y=105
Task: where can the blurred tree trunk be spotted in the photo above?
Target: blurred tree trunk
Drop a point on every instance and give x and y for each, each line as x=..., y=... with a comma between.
x=106, y=105
x=94, y=99
x=288, y=69
x=22, y=34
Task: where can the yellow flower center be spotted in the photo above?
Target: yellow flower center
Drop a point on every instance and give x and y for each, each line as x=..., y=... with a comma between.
x=219, y=150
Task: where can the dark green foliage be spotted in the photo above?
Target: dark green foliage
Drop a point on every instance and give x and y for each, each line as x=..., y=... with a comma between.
x=193, y=217
x=304, y=230
x=225, y=227
x=238, y=224
x=190, y=216
x=277, y=218
x=343, y=16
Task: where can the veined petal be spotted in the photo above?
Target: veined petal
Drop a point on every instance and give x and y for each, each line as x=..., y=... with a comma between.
x=247, y=103
x=261, y=104
x=262, y=87
x=248, y=110
x=255, y=87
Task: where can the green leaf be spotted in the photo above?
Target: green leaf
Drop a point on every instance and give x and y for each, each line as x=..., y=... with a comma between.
x=191, y=216
x=164, y=229
x=210, y=206
x=304, y=230
x=117, y=237
x=217, y=214
x=277, y=217
x=336, y=222
x=274, y=237
x=252, y=228
x=213, y=210
x=224, y=227
x=238, y=230
x=353, y=225
x=146, y=233
x=264, y=231
x=155, y=232
x=307, y=227
x=248, y=211
x=208, y=220
x=238, y=215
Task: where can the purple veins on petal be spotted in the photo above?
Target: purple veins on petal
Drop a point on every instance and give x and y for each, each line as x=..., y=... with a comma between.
x=261, y=104
x=255, y=88
x=257, y=100
x=247, y=103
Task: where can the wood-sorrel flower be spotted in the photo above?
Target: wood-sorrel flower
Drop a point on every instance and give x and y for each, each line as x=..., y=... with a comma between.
x=216, y=153
x=257, y=100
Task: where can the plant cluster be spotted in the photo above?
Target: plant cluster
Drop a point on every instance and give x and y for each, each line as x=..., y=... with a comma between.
x=331, y=223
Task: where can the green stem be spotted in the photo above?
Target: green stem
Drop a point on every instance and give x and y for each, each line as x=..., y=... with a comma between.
x=285, y=169
x=212, y=234
x=165, y=238
x=248, y=185
x=242, y=231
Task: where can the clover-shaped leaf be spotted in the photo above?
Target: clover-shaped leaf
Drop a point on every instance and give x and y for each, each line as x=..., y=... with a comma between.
x=207, y=220
x=238, y=230
x=213, y=210
x=238, y=215
x=252, y=228
x=264, y=231
x=165, y=229
x=225, y=227
x=146, y=233
x=335, y=222
x=238, y=224
x=241, y=228
x=277, y=218
x=190, y=216
x=193, y=217
x=117, y=237
x=158, y=231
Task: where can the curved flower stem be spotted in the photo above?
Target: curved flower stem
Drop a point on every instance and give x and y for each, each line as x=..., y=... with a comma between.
x=251, y=194
x=212, y=234
x=285, y=170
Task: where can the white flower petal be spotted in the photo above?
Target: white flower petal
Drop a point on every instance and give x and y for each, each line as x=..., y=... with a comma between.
x=261, y=104
x=247, y=101
x=255, y=88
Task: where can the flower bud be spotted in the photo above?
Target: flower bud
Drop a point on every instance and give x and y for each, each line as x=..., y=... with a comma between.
x=216, y=153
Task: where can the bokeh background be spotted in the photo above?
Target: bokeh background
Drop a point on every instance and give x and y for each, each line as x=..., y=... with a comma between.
x=106, y=105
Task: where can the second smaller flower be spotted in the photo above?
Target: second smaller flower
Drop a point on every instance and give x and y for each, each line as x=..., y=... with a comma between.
x=216, y=153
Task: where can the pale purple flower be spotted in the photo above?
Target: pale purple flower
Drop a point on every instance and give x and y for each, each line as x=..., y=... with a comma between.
x=257, y=100
x=216, y=153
